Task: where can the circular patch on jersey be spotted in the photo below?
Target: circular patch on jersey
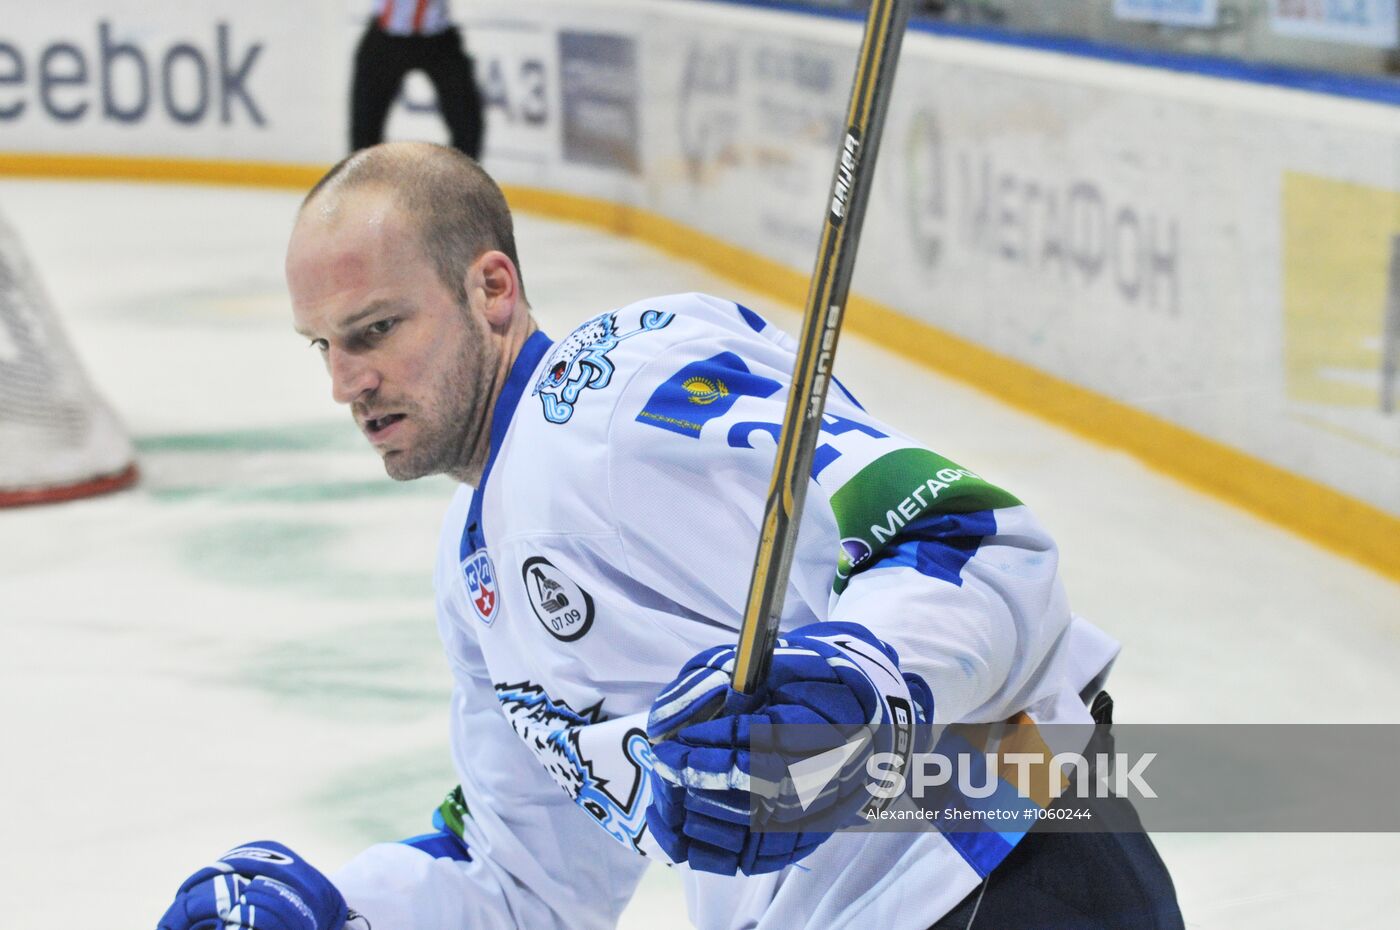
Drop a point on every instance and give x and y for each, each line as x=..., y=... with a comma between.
x=482, y=590
x=856, y=551
x=564, y=609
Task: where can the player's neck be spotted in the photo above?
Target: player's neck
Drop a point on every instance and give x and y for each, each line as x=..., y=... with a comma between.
x=521, y=329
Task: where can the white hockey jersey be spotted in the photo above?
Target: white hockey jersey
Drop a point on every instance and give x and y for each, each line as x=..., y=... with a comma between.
x=612, y=539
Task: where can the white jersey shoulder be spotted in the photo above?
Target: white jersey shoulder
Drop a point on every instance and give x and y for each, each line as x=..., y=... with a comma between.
x=565, y=431
x=605, y=349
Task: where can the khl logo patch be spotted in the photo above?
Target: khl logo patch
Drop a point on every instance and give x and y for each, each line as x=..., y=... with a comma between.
x=563, y=608
x=482, y=591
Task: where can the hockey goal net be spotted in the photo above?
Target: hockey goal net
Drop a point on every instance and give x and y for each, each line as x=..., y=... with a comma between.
x=58, y=439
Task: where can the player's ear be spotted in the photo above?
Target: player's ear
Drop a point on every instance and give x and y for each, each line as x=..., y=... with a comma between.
x=493, y=287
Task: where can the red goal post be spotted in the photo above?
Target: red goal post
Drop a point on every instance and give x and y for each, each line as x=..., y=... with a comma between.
x=59, y=440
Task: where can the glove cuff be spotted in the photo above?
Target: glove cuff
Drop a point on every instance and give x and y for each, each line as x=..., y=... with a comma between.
x=876, y=660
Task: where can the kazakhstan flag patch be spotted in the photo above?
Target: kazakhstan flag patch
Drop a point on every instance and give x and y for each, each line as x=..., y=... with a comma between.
x=702, y=391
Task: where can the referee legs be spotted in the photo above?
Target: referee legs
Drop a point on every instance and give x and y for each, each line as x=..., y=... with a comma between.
x=459, y=100
x=380, y=66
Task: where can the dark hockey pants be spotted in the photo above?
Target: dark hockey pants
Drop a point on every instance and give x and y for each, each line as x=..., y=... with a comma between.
x=382, y=61
x=1077, y=881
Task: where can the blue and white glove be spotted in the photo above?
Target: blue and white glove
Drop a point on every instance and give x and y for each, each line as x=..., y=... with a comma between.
x=260, y=886
x=831, y=684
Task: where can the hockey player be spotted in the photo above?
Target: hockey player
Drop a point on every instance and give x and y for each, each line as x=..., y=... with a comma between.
x=590, y=579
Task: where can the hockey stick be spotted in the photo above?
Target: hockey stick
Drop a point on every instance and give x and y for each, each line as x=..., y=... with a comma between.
x=826, y=304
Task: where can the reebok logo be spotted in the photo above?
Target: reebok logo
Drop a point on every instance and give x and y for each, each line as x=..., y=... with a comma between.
x=121, y=79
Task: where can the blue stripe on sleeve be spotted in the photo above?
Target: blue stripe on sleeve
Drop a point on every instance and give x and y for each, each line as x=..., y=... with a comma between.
x=939, y=545
x=983, y=843
x=755, y=321
x=442, y=843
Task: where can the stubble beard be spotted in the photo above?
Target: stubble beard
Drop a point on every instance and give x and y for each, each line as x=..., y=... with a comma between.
x=450, y=427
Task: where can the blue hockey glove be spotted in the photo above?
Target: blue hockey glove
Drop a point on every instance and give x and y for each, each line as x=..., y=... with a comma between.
x=261, y=886
x=830, y=686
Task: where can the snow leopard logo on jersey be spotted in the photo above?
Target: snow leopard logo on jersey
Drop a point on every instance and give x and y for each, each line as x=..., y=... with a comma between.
x=552, y=730
x=581, y=361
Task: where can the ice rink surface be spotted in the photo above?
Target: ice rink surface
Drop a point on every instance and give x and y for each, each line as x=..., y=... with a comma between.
x=243, y=647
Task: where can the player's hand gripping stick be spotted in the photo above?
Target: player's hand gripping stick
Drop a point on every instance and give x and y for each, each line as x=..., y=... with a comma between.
x=722, y=804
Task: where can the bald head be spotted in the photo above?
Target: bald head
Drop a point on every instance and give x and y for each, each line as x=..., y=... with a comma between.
x=402, y=273
x=456, y=209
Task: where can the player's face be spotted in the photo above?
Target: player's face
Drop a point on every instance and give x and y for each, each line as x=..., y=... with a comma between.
x=413, y=364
